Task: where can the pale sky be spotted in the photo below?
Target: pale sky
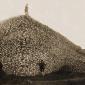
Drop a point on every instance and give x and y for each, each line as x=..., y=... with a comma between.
x=64, y=16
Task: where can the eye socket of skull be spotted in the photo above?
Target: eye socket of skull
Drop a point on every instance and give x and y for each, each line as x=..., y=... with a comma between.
x=1, y=66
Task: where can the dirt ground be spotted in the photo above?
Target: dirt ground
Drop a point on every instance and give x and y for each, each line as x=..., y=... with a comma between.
x=55, y=78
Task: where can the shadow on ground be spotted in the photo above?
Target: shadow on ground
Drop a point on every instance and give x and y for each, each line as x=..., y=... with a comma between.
x=55, y=78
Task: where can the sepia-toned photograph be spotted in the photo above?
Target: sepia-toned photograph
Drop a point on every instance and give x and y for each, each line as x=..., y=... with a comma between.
x=42, y=42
